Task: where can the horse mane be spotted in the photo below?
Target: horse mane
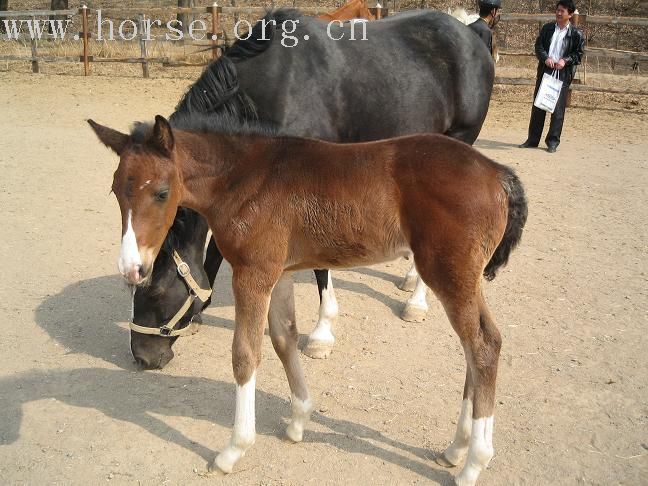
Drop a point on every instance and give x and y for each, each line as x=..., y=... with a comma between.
x=217, y=88
x=225, y=123
x=222, y=123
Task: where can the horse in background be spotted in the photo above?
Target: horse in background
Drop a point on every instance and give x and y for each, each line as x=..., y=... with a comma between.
x=355, y=9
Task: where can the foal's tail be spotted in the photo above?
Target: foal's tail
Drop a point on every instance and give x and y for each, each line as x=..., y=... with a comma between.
x=517, y=216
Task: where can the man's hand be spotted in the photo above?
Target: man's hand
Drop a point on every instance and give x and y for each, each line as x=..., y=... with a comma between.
x=550, y=63
x=560, y=64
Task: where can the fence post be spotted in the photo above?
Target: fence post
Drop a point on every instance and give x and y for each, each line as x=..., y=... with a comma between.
x=142, y=39
x=215, y=15
x=581, y=22
x=34, y=53
x=84, y=16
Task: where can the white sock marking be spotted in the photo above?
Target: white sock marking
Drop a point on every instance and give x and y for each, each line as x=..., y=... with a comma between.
x=480, y=451
x=301, y=411
x=457, y=450
x=244, y=432
x=328, y=311
x=418, y=298
x=412, y=273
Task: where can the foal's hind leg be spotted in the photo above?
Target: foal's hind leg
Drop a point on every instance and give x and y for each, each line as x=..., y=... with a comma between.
x=408, y=283
x=456, y=451
x=416, y=307
x=283, y=332
x=321, y=339
x=481, y=341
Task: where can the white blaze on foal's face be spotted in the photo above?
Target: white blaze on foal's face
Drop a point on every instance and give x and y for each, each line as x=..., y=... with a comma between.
x=130, y=261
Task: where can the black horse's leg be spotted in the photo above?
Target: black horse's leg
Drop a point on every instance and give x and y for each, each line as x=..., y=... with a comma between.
x=466, y=134
x=321, y=339
x=213, y=260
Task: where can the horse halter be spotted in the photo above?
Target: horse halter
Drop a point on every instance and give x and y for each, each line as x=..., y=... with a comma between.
x=195, y=291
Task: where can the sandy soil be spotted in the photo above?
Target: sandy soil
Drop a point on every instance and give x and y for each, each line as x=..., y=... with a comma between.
x=572, y=403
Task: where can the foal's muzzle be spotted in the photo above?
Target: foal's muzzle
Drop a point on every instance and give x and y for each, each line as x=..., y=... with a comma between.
x=137, y=275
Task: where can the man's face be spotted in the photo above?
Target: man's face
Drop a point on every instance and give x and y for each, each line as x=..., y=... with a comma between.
x=562, y=15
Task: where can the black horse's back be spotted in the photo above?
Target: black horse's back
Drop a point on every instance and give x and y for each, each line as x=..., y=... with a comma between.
x=420, y=71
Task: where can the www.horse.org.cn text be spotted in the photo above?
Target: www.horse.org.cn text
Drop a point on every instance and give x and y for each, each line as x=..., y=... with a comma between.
x=128, y=30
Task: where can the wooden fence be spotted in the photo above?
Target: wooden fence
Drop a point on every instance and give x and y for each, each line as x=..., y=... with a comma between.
x=216, y=37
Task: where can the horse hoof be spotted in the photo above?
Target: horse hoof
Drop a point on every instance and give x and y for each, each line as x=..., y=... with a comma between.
x=318, y=349
x=412, y=313
x=221, y=464
x=465, y=481
x=295, y=434
x=443, y=461
x=408, y=284
x=214, y=468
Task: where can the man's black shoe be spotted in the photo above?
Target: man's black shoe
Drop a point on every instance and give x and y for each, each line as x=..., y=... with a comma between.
x=527, y=144
x=552, y=149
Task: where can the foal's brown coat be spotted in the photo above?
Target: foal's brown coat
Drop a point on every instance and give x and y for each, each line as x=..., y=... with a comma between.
x=281, y=204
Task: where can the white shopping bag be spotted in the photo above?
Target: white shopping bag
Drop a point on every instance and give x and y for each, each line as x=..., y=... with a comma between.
x=549, y=92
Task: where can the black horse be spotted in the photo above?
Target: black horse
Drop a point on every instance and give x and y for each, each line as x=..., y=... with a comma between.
x=420, y=71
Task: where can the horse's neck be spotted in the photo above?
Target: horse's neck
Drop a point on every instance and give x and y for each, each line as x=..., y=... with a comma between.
x=218, y=168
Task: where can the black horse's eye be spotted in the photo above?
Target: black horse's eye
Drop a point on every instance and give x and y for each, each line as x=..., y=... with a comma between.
x=162, y=195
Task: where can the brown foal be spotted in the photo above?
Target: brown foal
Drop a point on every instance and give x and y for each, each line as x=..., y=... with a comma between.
x=280, y=204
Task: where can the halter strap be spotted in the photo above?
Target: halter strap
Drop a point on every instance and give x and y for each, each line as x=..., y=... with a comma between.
x=195, y=291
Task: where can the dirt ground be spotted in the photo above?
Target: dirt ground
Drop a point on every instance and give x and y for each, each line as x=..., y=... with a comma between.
x=572, y=305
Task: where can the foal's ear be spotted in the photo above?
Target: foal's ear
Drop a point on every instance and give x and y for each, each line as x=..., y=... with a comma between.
x=162, y=135
x=112, y=139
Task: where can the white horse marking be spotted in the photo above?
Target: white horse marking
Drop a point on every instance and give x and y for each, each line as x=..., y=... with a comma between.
x=244, y=432
x=321, y=339
x=301, y=411
x=409, y=281
x=416, y=306
x=459, y=447
x=480, y=451
x=145, y=184
x=129, y=256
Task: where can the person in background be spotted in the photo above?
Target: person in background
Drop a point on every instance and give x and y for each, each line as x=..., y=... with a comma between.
x=558, y=47
x=488, y=11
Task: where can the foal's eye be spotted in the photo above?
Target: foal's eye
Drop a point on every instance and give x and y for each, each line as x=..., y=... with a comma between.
x=162, y=195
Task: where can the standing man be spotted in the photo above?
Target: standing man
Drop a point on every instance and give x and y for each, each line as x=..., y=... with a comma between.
x=559, y=46
x=488, y=11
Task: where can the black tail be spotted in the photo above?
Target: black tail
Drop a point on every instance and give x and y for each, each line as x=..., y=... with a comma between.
x=517, y=216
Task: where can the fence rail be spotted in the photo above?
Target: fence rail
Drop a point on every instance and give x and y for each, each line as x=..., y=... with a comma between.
x=582, y=19
x=35, y=13
x=217, y=42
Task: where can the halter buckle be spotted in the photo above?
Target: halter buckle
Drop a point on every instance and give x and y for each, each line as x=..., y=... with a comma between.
x=183, y=269
x=165, y=331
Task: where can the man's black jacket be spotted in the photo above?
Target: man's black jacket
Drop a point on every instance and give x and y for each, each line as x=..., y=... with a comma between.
x=481, y=28
x=574, y=46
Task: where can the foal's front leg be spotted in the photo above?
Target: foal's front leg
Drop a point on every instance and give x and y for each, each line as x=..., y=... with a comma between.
x=283, y=332
x=252, y=289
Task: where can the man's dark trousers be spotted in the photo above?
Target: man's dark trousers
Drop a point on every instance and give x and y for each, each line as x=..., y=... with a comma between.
x=536, y=124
